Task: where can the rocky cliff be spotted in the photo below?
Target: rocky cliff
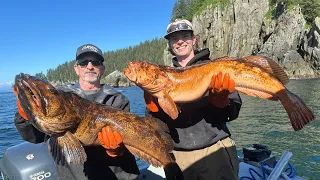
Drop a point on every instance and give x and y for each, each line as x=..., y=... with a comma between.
x=244, y=28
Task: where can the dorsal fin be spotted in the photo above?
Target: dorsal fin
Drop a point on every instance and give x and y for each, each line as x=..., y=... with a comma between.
x=264, y=62
x=224, y=58
x=269, y=65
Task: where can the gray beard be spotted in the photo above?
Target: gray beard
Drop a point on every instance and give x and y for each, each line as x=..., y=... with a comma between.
x=91, y=80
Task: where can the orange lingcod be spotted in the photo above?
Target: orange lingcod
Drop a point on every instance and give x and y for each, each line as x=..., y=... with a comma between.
x=256, y=76
x=73, y=122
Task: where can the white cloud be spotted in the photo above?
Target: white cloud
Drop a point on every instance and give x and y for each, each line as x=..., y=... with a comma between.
x=6, y=83
x=6, y=86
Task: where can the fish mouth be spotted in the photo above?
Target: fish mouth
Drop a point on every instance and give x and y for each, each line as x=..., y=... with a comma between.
x=143, y=74
x=28, y=94
x=131, y=71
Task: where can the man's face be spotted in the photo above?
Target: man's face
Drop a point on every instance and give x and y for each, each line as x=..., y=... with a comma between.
x=182, y=43
x=92, y=72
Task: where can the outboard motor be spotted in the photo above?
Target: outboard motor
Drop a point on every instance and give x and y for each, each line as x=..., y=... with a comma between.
x=256, y=153
x=27, y=161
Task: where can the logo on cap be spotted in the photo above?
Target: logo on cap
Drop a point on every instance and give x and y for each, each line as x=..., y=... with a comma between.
x=92, y=48
x=178, y=25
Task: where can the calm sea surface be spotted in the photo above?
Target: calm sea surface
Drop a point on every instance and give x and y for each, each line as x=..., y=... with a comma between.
x=260, y=121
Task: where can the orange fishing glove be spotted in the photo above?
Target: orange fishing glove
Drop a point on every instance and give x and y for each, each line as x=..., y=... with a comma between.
x=20, y=110
x=219, y=89
x=111, y=141
x=151, y=105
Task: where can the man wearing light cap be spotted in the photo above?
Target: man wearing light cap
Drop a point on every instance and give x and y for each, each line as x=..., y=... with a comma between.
x=110, y=161
x=203, y=148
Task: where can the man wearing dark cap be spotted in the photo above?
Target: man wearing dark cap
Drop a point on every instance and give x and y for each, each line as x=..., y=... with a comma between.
x=203, y=148
x=89, y=67
x=110, y=161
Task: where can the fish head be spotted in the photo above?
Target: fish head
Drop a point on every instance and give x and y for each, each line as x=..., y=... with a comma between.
x=146, y=75
x=42, y=103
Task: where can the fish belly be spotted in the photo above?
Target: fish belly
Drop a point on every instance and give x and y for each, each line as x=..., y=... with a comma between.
x=191, y=88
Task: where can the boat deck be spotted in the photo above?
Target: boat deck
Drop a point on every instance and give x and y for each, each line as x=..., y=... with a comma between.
x=153, y=173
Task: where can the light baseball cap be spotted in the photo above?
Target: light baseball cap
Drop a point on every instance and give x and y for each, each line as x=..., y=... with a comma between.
x=178, y=25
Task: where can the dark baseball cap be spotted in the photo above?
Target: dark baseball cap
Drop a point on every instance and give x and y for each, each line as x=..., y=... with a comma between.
x=89, y=48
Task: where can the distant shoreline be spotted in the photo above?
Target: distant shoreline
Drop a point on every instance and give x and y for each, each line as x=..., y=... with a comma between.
x=8, y=88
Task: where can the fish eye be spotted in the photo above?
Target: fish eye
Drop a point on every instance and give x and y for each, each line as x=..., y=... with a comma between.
x=51, y=90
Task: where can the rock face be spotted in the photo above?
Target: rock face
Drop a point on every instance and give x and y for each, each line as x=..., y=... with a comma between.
x=116, y=79
x=231, y=30
x=242, y=28
x=167, y=57
x=296, y=66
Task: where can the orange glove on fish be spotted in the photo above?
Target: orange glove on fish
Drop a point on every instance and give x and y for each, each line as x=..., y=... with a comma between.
x=111, y=141
x=219, y=89
x=20, y=110
x=150, y=102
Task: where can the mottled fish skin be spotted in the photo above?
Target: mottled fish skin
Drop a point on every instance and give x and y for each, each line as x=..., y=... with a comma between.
x=256, y=76
x=57, y=113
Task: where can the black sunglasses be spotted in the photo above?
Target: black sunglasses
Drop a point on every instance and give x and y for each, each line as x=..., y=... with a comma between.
x=181, y=26
x=85, y=62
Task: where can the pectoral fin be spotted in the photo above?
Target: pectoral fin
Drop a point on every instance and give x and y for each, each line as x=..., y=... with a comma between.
x=67, y=148
x=168, y=105
x=151, y=105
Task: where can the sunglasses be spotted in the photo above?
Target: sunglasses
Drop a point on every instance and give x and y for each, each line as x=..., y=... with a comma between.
x=84, y=63
x=181, y=26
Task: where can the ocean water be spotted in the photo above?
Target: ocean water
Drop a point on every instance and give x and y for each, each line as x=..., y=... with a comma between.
x=260, y=121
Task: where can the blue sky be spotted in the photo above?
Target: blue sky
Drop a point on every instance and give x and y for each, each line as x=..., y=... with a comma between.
x=37, y=35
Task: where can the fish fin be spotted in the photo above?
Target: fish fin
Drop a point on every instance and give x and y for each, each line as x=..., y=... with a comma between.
x=256, y=93
x=269, y=65
x=67, y=148
x=225, y=58
x=298, y=112
x=168, y=105
x=151, y=105
x=46, y=138
x=144, y=156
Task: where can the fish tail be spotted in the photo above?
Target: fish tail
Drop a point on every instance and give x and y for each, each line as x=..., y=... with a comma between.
x=299, y=114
